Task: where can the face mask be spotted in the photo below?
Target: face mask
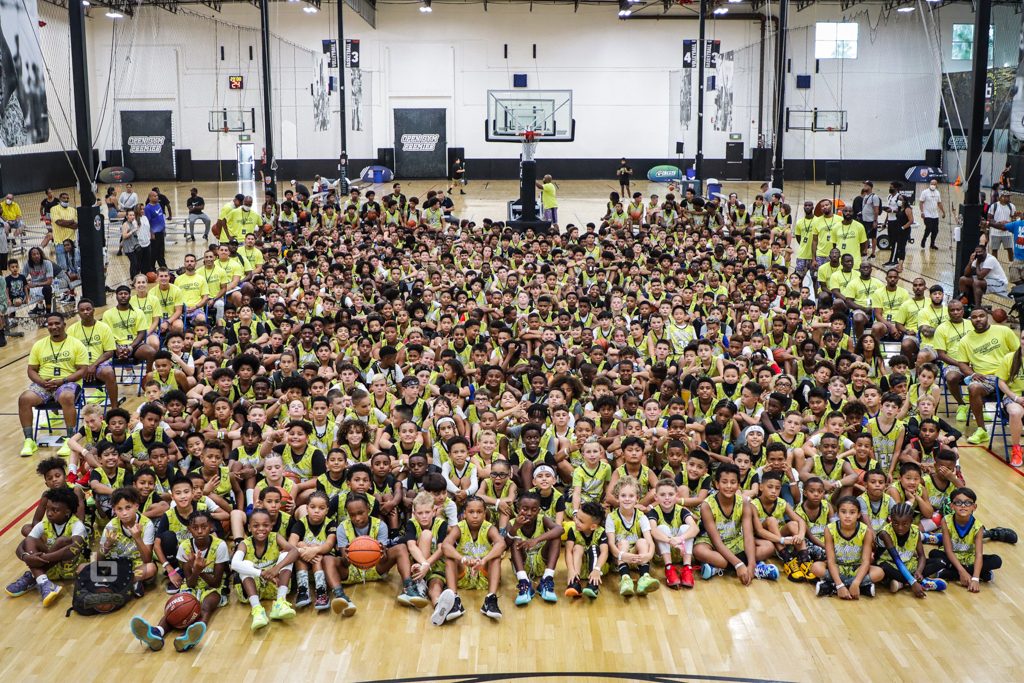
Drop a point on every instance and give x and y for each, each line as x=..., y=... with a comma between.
x=64, y=204
x=246, y=208
x=9, y=201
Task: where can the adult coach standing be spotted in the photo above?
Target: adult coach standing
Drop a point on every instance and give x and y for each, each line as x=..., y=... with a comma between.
x=157, y=228
x=931, y=209
x=220, y=228
x=625, y=174
x=549, y=199
x=64, y=219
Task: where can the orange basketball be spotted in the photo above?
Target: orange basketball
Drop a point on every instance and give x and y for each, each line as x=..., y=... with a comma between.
x=371, y=215
x=285, y=494
x=462, y=571
x=151, y=276
x=294, y=477
x=411, y=223
x=635, y=215
x=365, y=552
x=998, y=315
x=181, y=610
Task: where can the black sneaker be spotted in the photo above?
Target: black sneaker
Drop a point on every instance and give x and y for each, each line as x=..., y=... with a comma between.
x=322, y=601
x=138, y=589
x=457, y=610
x=867, y=587
x=825, y=588
x=1001, y=535
x=490, y=607
x=302, y=597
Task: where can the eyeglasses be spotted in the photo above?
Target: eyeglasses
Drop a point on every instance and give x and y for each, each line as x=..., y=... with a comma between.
x=962, y=503
x=499, y=475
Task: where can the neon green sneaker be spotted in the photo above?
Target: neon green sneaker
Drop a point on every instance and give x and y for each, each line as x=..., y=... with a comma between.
x=281, y=610
x=647, y=584
x=626, y=586
x=259, y=618
x=29, y=448
x=962, y=412
x=65, y=450
x=980, y=436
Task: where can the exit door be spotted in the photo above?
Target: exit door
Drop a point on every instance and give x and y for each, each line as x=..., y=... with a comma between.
x=246, y=163
x=734, y=166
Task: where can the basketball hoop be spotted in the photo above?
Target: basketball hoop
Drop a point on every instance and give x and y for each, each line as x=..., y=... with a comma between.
x=529, y=143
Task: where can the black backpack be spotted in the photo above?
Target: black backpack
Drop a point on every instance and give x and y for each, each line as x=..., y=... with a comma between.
x=103, y=586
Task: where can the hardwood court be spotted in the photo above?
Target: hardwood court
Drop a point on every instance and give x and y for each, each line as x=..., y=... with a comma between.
x=719, y=629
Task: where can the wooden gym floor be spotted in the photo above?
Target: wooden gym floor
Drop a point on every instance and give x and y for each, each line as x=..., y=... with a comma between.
x=775, y=631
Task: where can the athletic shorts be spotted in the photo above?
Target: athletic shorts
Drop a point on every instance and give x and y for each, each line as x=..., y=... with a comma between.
x=988, y=383
x=999, y=239
x=47, y=395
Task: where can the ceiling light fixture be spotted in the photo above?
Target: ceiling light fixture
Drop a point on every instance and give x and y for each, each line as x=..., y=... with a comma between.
x=114, y=14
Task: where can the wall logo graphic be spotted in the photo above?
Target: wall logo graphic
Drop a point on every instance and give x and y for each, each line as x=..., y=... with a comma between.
x=420, y=142
x=146, y=144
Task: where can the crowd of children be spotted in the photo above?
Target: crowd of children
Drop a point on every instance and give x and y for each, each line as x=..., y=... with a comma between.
x=649, y=396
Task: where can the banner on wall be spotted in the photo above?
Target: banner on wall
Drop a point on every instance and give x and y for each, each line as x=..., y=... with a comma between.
x=147, y=145
x=24, y=119
x=330, y=47
x=689, y=54
x=421, y=145
x=352, y=54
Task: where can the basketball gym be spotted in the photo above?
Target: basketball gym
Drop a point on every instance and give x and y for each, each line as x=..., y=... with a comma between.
x=485, y=99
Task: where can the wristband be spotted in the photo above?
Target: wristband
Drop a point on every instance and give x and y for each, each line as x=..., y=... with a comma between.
x=975, y=579
x=165, y=564
x=738, y=565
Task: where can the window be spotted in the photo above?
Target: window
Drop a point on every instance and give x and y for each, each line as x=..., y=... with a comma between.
x=835, y=41
x=963, y=42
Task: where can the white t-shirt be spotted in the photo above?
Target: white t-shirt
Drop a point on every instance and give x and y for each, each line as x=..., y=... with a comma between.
x=929, y=200
x=78, y=529
x=996, y=277
x=128, y=200
x=1001, y=213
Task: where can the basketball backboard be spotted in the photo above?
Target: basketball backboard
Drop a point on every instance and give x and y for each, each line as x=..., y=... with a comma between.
x=510, y=113
x=232, y=120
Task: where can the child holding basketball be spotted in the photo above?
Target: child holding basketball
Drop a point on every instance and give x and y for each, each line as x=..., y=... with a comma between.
x=263, y=562
x=472, y=551
x=203, y=560
x=847, y=570
x=535, y=544
x=53, y=548
x=586, y=551
x=360, y=524
x=629, y=538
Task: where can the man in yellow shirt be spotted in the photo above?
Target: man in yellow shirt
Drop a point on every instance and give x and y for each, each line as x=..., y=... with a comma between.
x=55, y=366
x=863, y=296
x=242, y=221
x=130, y=328
x=194, y=290
x=984, y=348
x=251, y=254
x=221, y=226
x=549, y=199
x=824, y=227
x=930, y=318
x=64, y=223
x=98, y=340
x=850, y=237
x=907, y=317
x=167, y=302
x=806, y=238
x=948, y=349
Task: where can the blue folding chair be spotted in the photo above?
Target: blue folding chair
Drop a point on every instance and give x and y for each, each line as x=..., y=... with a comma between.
x=50, y=412
x=129, y=373
x=1000, y=422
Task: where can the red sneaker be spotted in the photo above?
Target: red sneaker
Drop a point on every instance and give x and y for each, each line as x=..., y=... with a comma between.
x=687, y=577
x=671, y=576
x=72, y=478
x=1016, y=456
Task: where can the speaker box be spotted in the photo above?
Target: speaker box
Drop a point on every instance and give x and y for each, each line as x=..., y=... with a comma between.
x=760, y=163
x=933, y=157
x=114, y=158
x=183, y=164
x=455, y=153
x=679, y=148
x=833, y=173
x=386, y=157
